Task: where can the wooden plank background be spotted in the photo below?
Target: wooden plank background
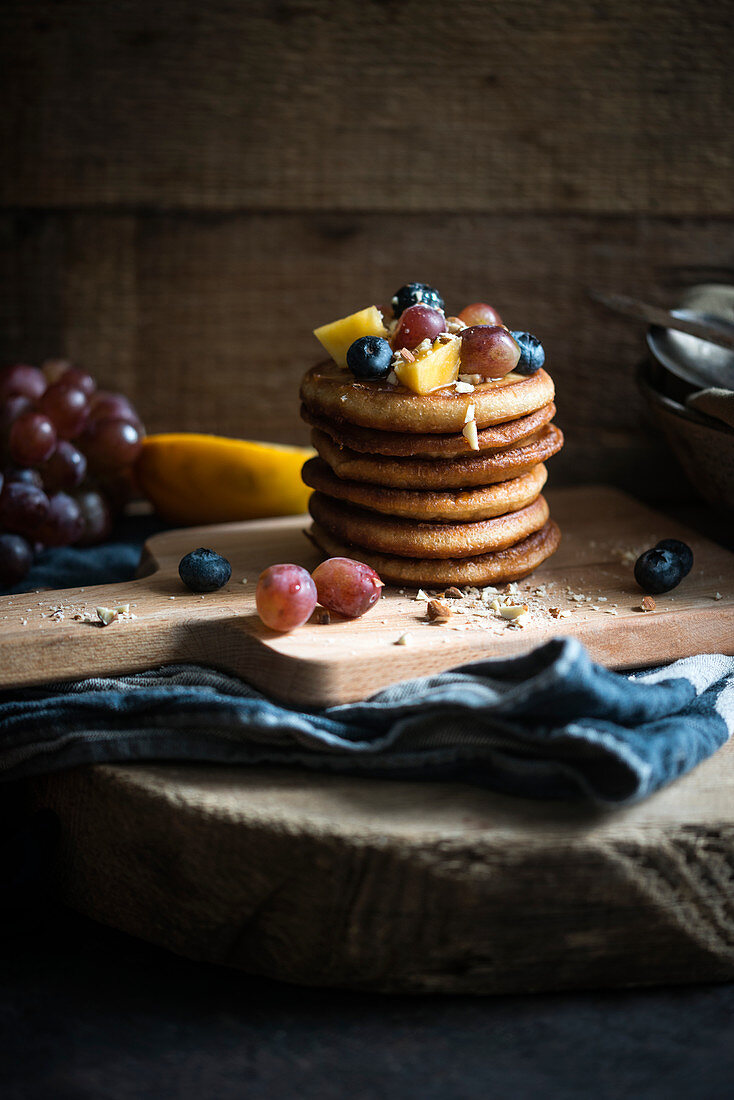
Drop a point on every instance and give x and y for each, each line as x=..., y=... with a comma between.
x=188, y=189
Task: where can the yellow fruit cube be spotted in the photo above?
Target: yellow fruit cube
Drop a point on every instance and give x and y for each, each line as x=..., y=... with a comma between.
x=338, y=336
x=436, y=367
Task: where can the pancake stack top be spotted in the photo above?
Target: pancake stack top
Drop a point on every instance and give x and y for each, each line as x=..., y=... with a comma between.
x=432, y=433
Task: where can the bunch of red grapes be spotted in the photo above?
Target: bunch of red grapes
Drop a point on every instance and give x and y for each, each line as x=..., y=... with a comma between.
x=66, y=455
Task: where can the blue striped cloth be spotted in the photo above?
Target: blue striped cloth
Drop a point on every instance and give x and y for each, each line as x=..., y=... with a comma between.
x=551, y=723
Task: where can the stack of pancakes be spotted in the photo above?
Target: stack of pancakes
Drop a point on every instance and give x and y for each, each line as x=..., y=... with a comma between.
x=398, y=487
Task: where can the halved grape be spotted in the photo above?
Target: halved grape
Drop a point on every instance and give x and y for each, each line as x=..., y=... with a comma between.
x=416, y=324
x=488, y=350
x=346, y=586
x=22, y=378
x=66, y=468
x=23, y=508
x=96, y=516
x=32, y=439
x=110, y=444
x=16, y=557
x=64, y=524
x=285, y=596
x=67, y=407
x=479, y=313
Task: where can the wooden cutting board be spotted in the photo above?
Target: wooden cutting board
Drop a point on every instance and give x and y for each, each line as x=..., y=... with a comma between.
x=377, y=884
x=47, y=636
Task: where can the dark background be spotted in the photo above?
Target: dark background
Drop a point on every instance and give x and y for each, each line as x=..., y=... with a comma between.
x=187, y=189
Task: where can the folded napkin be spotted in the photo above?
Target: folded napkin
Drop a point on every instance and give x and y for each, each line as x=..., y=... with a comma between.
x=548, y=724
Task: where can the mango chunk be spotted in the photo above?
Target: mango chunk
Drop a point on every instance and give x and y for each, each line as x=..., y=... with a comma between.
x=338, y=336
x=436, y=367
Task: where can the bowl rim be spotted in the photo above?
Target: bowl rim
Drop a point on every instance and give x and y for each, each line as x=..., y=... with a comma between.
x=670, y=405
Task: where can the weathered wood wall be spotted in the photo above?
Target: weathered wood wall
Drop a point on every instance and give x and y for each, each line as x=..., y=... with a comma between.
x=189, y=188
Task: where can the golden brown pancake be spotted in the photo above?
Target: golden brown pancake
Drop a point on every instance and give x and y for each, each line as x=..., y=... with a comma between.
x=409, y=539
x=336, y=394
x=511, y=564
x=477, y=468
x=430, y=506
x=433, y=445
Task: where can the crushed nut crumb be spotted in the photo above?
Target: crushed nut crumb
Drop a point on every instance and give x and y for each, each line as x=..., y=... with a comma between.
x=106, y=615
x=512, y=611
x=323, y=617
x=453, y=594
x=469, y=432
x=648, y=604
x=438, y=612
x=404, y=639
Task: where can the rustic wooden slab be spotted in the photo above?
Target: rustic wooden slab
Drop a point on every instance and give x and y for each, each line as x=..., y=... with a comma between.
x=318, y=664
x=394, y=886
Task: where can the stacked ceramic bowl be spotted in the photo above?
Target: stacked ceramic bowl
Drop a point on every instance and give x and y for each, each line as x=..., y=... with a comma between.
x=688, y=385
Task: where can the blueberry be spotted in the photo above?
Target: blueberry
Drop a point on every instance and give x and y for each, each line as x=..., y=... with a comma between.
x=658, y=571
x=369, y=357
x=532, y=355
x=413, y=294
x=680, y=550
x=204, y=570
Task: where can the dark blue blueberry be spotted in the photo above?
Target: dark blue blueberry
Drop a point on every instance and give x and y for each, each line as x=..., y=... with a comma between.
x=658, y=571
x=204, y=570
x=532, y=355
x=681, y=550
x=413, y=294
x=369, y=357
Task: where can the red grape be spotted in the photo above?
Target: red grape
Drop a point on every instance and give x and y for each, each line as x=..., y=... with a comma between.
x=21, y=378
x=32, y=439
x=15, y=559
x=285, y=597
x=24, y=474
x=11, y=408
x=112, y=406
x=110, y=444
x=67, y=408
x=418, y=323
x=488, y=350
x=96, y=515
x=347, y=586
x=23, y=508
x=479, y=313
x=66, y=468
x=79, y=379
x=64, y=523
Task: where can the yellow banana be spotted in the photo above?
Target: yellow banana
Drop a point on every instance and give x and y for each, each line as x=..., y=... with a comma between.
x=195, y=479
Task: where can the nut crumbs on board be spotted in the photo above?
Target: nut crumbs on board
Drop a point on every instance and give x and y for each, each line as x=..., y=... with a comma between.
x=648, y=603
x=438, y=612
